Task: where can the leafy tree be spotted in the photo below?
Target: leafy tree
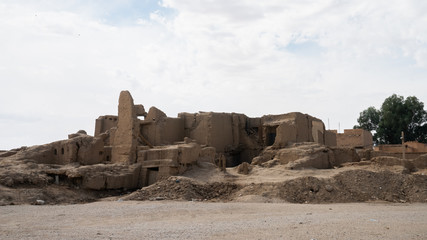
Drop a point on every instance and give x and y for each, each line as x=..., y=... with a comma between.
x=396, y=115
x=369, y=119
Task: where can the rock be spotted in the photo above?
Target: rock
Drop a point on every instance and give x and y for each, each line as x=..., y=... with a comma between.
x=244, y=168
x=40, y=202
x=82, y=132
x=329, y=188
x=8, y=182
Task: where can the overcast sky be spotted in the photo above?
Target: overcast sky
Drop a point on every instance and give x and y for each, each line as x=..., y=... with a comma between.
x=64, y=63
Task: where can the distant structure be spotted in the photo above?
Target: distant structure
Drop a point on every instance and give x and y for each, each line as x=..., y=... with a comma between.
x=410, y=147
x=354, y=138
x=165, y=146
x=137, y=148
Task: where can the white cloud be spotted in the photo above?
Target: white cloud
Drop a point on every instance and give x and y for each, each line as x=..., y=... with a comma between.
x=63, y=63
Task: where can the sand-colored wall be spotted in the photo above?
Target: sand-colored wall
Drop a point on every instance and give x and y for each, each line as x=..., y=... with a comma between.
x=358, y=138
x=330, y=138
x=212, y=129
x=410, y=147
x=104, y=123
x=159, y=129
x=221, y=131
x=85, y=150
x=292, y=128
x=318, y=130
x=125, y=140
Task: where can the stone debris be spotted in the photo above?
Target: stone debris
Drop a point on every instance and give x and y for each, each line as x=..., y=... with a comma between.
x=40, y=202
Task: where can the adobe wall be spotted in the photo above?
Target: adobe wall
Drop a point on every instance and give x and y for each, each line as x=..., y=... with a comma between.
x=410, y=147
x=126, y=136
x=331, y=138
x=318, y=130
x=286, y=133
x=222, y=131
x=104, y=123
x=292, y=128
x=416, y=147
x=159, y=129
x=164, y=161
x=83, y=149
x=397, y=155
x=212, y=129
x=358, y=138
x=246, y=138
x=232, y=134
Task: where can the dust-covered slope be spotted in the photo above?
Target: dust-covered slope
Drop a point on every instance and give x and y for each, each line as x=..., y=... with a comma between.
x=363, y=182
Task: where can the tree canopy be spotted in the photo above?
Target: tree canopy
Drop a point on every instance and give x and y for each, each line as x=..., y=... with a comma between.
x=397, y=114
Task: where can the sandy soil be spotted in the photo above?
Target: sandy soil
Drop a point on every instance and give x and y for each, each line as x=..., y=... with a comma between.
x=207, y=220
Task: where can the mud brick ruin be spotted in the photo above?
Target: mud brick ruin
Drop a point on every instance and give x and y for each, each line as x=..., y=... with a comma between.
x=211, y=155
x=166, y=146
x=137, y=148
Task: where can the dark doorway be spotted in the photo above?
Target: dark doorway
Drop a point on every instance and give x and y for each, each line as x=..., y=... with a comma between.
x=271, y=135
x=152, y=175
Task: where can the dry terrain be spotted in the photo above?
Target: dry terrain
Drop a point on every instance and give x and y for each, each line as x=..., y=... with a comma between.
x=380, y=198
x=208, y=220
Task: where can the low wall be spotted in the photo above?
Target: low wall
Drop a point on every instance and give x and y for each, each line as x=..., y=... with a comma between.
x=398, y=155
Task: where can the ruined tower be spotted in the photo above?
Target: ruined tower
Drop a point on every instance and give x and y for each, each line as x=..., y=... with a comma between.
x=125, y=137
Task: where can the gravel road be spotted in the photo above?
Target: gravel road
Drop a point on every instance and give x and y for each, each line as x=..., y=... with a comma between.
x=206, y=220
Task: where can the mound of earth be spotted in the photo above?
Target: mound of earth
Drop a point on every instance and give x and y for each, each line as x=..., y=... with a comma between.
x=51, y=194
x=184, y=188
x=26, y=182
x=304, y=173
x=346, y=186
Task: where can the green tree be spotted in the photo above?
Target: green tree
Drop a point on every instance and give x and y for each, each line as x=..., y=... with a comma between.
x=369, y=119
x=396, y=115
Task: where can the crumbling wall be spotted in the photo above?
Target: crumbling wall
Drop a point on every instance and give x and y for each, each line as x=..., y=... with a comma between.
x=249, y=143
x=105, y=123
x=330, y=138
x=292, y=128
x=83, y=149
x=232, y=134
x=159, y=129
x=107, y=176
x=126, y=136
x=317, y=130
x=358, y=138
x=410, y=147
x=153, y=171
x=307, y=155
x=186, y=153
x=286, y=133
x=212, y=129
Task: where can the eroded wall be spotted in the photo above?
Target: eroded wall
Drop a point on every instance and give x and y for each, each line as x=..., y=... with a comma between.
x=83, y=149
x=159, y=129
x=292, y=128
x=126, y=136
x=357, y=138
x=105, y=123
x=410, y=147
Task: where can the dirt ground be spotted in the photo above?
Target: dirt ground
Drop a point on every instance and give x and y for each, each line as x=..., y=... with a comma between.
x=208, y=220
x=353, y=182
x=384, y=198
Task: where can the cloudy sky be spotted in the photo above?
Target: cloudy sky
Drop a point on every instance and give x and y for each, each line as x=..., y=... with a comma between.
x=64, y=63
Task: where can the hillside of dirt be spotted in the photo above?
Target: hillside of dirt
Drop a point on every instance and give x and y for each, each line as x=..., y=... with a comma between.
x=347, y=184
x=270, y=179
